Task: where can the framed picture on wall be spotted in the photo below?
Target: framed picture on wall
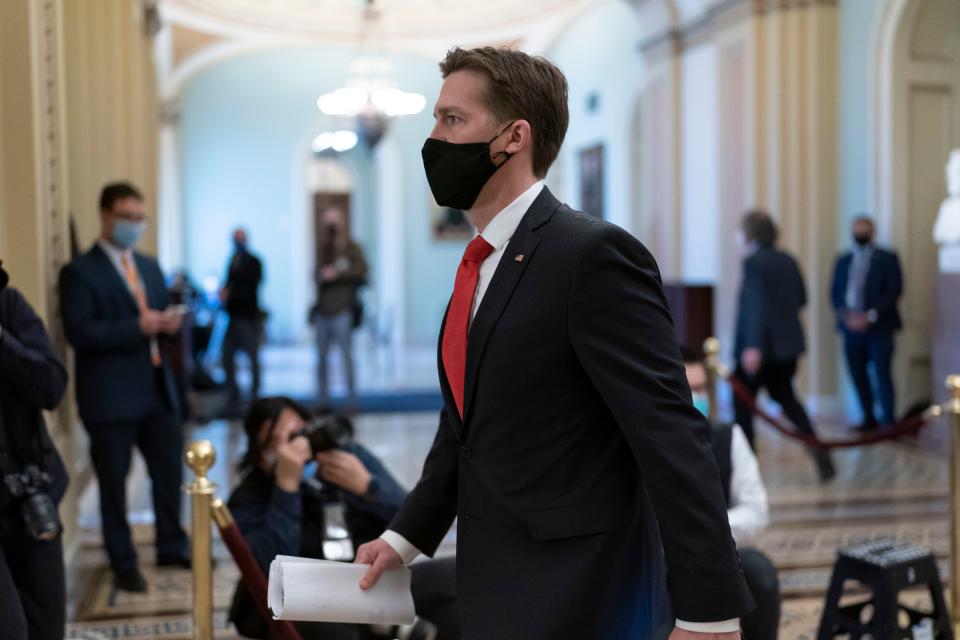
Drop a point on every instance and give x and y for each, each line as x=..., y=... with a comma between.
x=591, y=180
x=449, y=224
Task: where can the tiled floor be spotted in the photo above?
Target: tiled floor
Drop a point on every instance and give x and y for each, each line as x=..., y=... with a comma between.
x=897, y=490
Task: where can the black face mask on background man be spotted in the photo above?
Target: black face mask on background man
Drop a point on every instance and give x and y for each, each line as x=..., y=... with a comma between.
x=457, y=172
x=4, y=278
x=862, y=239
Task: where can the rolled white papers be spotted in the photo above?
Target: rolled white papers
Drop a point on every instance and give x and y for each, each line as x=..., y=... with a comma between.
x=308, y=590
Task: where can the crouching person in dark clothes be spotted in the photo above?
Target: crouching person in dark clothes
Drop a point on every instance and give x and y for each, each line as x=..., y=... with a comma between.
x=321, y=497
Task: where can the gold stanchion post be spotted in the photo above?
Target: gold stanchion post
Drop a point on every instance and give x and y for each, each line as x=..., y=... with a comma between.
x=200, y=457
x=711, y=351
x=951, y=408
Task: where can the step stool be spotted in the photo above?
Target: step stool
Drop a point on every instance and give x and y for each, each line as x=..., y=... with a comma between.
x=887, y=567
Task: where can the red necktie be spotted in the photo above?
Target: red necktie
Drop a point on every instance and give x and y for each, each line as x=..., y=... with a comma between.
x=454, y=346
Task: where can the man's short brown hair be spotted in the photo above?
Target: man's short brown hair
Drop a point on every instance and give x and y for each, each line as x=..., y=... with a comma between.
x=521, y=87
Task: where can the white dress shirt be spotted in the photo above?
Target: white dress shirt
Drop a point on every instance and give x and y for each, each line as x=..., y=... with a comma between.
x=748, y=510
x=117, y=255
x=498, y=233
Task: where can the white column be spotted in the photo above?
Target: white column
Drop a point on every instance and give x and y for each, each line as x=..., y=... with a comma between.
x=171, y=250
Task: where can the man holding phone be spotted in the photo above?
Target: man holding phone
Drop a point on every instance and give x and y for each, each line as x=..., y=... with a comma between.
x=116, y=312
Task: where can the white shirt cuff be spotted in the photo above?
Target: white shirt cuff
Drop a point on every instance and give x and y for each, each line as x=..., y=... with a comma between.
x=724, y=626
x=401, y=545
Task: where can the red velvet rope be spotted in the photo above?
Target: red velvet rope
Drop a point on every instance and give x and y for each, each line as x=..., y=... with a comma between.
x=255, y=581
x=902, y=428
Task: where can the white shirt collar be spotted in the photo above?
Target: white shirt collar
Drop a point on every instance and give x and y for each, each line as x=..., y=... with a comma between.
x=505, y=223
x=116, y=254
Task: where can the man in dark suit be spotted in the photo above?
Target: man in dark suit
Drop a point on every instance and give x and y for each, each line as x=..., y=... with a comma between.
x=32, y=586
x=568, y=442
x=114, y=306
x=243, y=306
x=867, y=282
x=769, y=339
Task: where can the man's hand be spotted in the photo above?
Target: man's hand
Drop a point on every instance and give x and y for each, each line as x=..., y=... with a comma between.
x=345, y=470
x=291, y=458
x=152, y=322
x=751, y=360
x=856, y=321
x=380, y=556
x=172, y=321
x=329, y=273
x=683, y=634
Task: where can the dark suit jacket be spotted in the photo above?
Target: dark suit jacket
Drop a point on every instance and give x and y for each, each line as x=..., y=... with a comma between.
x=115, y=379
x=579, y=438
x=243, y=280
x=882, y=289
x=31, y=378
x=771, y=296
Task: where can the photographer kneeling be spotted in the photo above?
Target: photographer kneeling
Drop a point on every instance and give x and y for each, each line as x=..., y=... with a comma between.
x=309, y=491
x=32, y=476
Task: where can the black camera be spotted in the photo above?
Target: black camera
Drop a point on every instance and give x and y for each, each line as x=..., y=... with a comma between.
x=324, y=434
x=29, y=488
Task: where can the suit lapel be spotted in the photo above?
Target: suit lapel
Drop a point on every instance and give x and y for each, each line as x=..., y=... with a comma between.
x=112, y=276
x=524, y=243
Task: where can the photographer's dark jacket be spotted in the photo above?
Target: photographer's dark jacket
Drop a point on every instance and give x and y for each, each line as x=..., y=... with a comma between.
x=275, y=522
x=31, y=378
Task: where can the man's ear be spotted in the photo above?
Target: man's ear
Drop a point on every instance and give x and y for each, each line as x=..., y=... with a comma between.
x=520, y=137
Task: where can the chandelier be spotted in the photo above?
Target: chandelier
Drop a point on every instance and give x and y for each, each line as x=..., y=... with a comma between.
x=371, y=90
x=371, y=94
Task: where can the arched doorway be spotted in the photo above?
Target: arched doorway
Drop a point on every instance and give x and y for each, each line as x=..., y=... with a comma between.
x=918, y=103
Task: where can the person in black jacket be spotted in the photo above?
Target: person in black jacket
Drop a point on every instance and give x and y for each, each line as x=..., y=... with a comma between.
x=242, y=304
x=32, y=588
x=290, y=503
x=769, y=337
x=867, y=283
x=114, y=303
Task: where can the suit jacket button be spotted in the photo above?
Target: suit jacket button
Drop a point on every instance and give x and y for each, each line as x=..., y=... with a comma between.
x=466, y=452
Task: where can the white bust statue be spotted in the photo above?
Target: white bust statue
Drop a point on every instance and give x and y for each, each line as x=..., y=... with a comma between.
x=947, y=228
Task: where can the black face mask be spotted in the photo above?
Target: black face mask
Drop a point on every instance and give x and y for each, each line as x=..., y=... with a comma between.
x=458, y=172
x=862, y=240
x=4, y=278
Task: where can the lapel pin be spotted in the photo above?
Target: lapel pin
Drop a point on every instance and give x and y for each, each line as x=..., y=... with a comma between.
x=519, y=258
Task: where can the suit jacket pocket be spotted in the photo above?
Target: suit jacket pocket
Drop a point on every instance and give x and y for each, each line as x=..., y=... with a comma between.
x=580, y=518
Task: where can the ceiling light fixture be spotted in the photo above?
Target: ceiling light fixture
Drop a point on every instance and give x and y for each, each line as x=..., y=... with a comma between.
x=371, y=94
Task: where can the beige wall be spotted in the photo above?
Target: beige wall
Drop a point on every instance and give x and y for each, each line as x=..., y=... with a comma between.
x=111, y=108
x=774, y=122
x=77, y=109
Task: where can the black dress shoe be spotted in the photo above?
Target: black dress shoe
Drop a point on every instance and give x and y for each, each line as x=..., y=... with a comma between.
x=129, y=580
x=180, y=562
x=825, y=468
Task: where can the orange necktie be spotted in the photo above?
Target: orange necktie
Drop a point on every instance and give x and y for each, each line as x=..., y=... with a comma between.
x=133, y=281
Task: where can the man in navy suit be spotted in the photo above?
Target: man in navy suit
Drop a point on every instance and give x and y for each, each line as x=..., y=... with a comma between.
x=769, y=337
x=568, y=448
x=115, y=311
x=867, y=282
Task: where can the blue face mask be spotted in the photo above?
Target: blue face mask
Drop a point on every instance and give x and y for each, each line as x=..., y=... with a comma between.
x=127, y=234
x=701, y=402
